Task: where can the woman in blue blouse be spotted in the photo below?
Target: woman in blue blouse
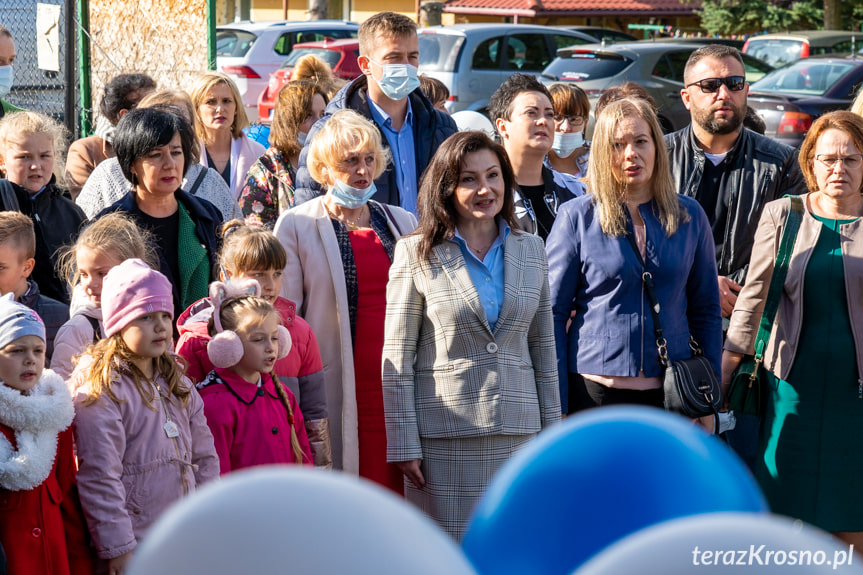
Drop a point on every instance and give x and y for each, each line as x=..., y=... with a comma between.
x=608, y=354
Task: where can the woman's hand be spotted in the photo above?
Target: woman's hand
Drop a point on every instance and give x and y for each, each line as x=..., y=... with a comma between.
x=411, y=470
x=117, y=565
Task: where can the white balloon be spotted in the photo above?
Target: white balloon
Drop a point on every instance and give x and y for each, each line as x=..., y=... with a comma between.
x=726, y=543
x=278, y=520
x=470, y=120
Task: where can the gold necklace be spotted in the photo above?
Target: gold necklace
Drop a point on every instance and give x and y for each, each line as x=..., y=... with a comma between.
x=352, y=225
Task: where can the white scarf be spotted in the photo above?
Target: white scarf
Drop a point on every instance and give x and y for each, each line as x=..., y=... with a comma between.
x=37, y=419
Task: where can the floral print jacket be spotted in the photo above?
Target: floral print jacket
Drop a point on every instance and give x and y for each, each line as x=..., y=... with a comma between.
x=269, y=189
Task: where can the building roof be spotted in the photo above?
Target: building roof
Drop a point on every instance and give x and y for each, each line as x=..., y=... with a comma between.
x=534, y=8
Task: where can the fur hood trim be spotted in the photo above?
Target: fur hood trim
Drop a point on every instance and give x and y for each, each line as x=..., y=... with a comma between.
x=36, y=418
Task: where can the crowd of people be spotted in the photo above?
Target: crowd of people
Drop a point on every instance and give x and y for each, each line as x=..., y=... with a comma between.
x=382, y=295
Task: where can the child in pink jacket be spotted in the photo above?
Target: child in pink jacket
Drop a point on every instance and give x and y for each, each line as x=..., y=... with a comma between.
x=142, y=438
x=255, y=419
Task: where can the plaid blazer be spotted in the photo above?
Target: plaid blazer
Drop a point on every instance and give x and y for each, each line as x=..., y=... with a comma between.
x=446, y=374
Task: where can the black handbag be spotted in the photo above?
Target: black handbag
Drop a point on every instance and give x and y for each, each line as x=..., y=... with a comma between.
x=746, y=392
x=690, y=386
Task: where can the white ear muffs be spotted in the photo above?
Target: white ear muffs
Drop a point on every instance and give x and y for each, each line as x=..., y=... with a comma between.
x=285, y=342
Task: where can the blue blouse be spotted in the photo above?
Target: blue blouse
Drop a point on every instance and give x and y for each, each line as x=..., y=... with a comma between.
x=487, y=274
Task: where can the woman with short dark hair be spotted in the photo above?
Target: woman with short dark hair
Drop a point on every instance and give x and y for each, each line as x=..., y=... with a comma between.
x=154, y=149
x=469, y=373
x=569, y=150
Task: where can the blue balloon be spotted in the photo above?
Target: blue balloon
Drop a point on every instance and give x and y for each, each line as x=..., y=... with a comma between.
x=596, y=478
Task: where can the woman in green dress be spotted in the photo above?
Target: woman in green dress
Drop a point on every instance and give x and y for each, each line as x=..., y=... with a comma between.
x=811, y=454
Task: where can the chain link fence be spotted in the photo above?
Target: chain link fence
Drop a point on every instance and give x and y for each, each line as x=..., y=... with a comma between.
x=33, y=88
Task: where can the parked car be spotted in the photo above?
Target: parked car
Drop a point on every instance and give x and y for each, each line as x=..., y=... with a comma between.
x=791, y=98
x=250, y=51
x=782, y=49
x=599, y=34
x=474, y=59
x=704, y=40
x=340, y=55
x=657, y=66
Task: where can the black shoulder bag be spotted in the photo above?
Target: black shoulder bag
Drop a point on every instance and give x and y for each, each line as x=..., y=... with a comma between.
x=690, y=385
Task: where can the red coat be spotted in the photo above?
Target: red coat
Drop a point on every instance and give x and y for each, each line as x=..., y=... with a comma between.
x=250, y=425
x=43, y=530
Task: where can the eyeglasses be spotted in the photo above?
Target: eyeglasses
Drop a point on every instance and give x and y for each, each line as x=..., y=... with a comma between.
x=711, y=85
x=575, y=121
x=851, y=162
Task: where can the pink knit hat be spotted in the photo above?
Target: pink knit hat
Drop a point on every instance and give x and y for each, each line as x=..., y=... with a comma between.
x=130, y=290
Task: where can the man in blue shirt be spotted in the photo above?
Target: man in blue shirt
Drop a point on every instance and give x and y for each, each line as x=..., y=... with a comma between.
x=388, y=94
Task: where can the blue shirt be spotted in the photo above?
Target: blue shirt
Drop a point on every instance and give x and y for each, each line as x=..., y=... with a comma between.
x=401, y=144
x=487, y=274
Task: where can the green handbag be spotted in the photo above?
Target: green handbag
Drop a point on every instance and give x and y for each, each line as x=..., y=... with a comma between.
x=747, y=391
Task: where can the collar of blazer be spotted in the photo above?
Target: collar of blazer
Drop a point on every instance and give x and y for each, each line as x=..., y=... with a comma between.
x=453, y=264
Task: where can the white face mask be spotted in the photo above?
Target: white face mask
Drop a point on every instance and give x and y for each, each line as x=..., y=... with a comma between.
x=565, y=143
x=6, y=76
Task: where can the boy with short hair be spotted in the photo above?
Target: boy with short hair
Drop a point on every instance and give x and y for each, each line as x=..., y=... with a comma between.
x=17, y=253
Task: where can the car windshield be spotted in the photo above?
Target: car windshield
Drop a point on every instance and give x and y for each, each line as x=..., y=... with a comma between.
x=331, y=57
x=439, y=52
x=805, y=77
x=234, y=43
x=580, y=66
x=775, y=52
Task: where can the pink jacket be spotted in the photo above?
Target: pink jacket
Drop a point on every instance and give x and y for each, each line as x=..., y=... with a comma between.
x=129, y=470
x=301, y=371
x=251, y=427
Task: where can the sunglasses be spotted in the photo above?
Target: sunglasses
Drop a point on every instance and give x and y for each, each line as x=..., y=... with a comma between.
x=711, y=85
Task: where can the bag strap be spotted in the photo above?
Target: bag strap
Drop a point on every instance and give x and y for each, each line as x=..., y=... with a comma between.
x=392, y=219
x=777, y=280
x=197, y=184
x=94, y=323
x=650, y=291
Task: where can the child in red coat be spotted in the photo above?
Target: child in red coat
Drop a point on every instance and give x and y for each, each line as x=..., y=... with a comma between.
x=254, y=253
x=42, y=526
x=255, y=419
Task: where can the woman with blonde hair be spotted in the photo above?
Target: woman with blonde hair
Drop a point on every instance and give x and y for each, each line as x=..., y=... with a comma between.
x=310, y=67
x=810, y=459
x=609, y=354
x=221, y=117
x=269, y=188
x=340, y=247
x=107, y=184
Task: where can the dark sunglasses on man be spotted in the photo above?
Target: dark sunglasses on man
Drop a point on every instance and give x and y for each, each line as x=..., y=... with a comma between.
x=711, y=85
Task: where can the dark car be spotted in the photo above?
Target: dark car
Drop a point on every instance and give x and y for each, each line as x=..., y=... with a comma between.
x=608, y=35
x=791, y=98
x=657, y=66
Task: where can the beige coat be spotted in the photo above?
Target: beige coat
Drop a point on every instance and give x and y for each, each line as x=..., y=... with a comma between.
x=82, y=158
x=782, y=346
x=314, y=279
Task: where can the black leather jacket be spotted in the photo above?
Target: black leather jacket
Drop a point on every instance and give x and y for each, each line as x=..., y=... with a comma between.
x=764, y=170
x=559, y=188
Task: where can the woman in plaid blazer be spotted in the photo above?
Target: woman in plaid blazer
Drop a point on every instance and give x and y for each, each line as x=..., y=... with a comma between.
x=469, y=369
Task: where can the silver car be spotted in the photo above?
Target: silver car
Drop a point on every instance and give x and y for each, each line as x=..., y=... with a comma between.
x=474, y=59
x=656, y=66
x=249, y=52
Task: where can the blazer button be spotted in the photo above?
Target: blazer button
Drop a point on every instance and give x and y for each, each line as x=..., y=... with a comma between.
x=275, y=431
x=36, y=532
x=491, y=347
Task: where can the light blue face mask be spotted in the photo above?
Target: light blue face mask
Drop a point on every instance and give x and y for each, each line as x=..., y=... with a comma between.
x=565, y=143
x=398, y=80
x=6, y=77
x=351, y=197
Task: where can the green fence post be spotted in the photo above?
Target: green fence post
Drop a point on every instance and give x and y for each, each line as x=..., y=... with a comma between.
x=84, y=66
x=211, y=34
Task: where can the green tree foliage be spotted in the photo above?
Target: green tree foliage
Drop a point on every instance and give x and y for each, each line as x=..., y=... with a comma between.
x=741, y=16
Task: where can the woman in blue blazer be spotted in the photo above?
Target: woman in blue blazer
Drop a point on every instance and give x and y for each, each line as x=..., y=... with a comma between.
x=608, y=354
x=468, y=365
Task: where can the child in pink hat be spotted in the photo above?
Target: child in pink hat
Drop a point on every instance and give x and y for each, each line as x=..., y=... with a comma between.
x=142, y=438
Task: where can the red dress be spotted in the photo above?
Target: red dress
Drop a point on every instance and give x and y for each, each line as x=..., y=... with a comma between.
x=373, y=266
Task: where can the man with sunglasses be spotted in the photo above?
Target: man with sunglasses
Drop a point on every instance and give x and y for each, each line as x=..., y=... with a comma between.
x=732, y=172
